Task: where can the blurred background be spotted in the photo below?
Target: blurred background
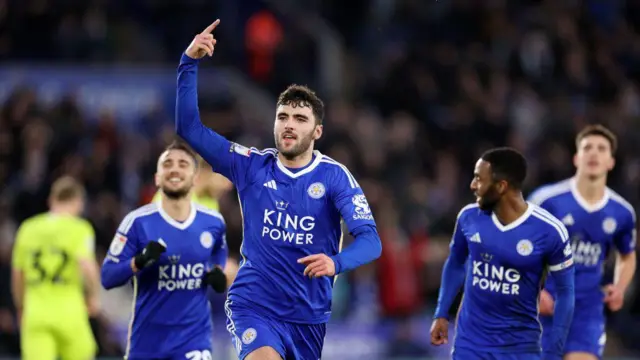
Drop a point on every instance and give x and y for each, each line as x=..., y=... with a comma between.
x=415, y=91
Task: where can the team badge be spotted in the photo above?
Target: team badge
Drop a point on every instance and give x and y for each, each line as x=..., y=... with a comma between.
x=249, y=335
x=206, y=239
x=117, y=244
x=524, y=247
x=609, y=225
x=316, y=190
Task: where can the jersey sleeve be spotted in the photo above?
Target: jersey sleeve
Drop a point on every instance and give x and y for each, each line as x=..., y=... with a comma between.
x=85, y=243
x=19, y=254
x=625, y=239
x=225, y=157
x=560, y=254
x=459, y=248
x=350, y=200
x=116, y=268
x=220, y=251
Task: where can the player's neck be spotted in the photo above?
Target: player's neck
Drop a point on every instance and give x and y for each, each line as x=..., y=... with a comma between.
x=177, y=209
x=299, y=161
x=510, y=209
x=62, y=211
x=591, y=190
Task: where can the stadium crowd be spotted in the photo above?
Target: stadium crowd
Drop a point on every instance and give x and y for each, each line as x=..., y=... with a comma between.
x=430, y=86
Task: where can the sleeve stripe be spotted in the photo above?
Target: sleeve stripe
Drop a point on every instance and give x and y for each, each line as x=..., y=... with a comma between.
x=549, y=219
x=547, y=192
x=467, y=207
x=563, y=265
x=210, y=212
x=263, y=152
x=352, y=180
x=619, y=199
x=128, y=220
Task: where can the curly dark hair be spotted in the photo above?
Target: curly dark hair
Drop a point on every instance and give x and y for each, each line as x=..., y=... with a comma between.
x=300, y=95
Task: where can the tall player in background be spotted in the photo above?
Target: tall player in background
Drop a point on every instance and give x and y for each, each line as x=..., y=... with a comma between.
x=507, y=245
x=171, y=250
x=292, y=199
x=55, y=284
x=597, y=219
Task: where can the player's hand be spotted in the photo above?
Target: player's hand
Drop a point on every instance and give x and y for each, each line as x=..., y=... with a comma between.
x=547, y=304
x=217, y=279
x=613, y=297
x=203, y=43
x=150, y=254
x=318, y=265
x=440, y=331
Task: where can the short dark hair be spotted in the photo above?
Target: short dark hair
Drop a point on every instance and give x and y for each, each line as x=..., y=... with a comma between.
x=66, y=189
x=301, y=95
x=598, y=130
x=182, y=146
x=507, y=164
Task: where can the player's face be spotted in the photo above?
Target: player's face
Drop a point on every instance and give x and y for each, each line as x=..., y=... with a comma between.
x=594, y=158
x=295, y=130
x=487, y=191
x=175, y=174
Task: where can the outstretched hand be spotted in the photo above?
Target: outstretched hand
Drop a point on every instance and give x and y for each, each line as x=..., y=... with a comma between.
x=203, y=43
x=318, y=265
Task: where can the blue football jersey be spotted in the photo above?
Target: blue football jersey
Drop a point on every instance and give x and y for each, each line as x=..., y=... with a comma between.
x=594, y=230
x=171, y=309
x=505, y=267
x=288, y=215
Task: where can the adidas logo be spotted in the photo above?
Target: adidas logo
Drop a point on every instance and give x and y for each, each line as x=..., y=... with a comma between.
x=475, y=238
x=568, y=220
x=271, y=184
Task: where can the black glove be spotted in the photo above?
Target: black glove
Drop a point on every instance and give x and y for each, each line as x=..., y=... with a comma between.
x=216, y=279
x=150, y=254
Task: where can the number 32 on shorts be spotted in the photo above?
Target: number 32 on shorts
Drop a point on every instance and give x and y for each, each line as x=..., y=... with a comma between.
x=198, y=355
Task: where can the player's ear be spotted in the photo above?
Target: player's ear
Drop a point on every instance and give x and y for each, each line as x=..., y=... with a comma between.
x=156, y=179
x=575, y=160
x=611, y=163
x=317, y=133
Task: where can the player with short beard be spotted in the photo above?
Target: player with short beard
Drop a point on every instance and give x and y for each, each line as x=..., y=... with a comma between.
x=501, y=250
x=172, y=251
x=292, y=200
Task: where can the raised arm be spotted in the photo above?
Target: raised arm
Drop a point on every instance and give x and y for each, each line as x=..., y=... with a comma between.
x=225, y=157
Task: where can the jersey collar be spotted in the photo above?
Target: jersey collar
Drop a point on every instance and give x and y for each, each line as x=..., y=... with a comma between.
x=317, y=158
x=584, y=203
x=176, y=224
x=515, y=223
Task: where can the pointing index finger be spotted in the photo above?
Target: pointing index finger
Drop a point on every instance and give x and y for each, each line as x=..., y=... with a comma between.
x=211, y=27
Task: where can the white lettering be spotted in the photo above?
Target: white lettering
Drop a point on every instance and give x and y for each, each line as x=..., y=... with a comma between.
x=586, y=253
x=180, y=276
x=285, y=227
x=496, y=279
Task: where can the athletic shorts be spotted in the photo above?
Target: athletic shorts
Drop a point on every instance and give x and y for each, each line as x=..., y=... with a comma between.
x=250, y=331
x=585, y=335
x=71, y=339
x=466, y=354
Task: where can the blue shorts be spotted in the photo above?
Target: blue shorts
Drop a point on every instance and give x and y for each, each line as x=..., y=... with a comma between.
x=584, y=335
x=465, y=354
x=250, y=331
